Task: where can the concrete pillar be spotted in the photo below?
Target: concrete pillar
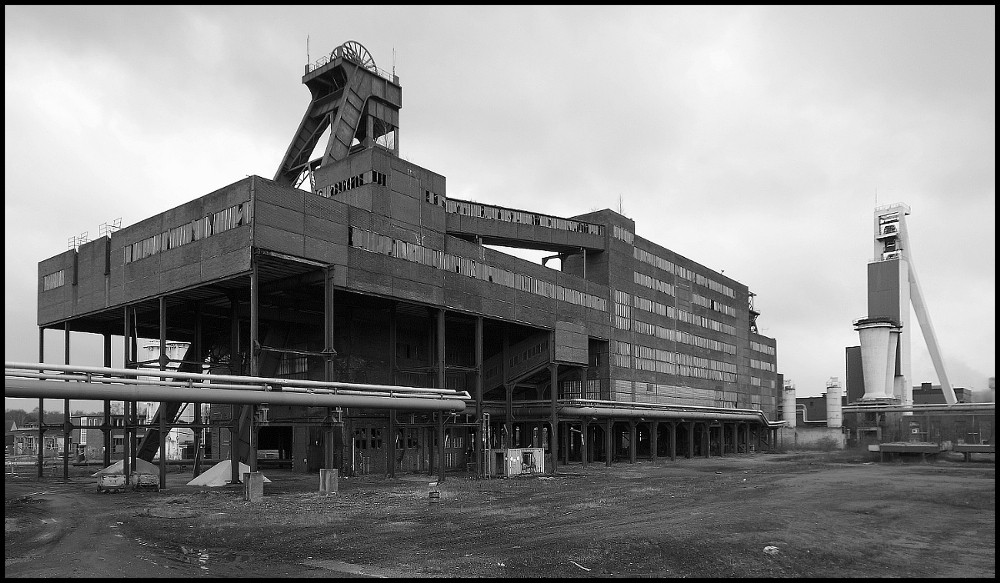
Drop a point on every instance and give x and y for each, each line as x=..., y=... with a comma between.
x=584, y=438
x=706, y=439
x=690, y=443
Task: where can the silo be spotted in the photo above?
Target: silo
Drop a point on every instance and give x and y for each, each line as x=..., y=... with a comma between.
x=834, y=412
x=788, y=404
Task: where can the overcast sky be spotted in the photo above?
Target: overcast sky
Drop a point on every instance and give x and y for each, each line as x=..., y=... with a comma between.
x=754, y=140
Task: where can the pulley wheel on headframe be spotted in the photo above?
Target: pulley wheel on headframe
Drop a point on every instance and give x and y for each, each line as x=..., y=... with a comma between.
x=355, y=51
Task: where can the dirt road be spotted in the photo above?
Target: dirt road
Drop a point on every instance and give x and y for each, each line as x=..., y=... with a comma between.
x=816, y=514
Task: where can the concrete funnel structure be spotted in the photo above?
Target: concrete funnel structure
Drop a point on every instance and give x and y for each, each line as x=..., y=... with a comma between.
x=878, y=355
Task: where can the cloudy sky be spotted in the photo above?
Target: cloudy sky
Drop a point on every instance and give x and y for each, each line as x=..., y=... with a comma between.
x=754, y=140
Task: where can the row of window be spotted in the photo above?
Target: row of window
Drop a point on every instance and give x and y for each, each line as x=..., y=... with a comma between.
x=369, y=177
x=762, y=364
x=413, y=252
x=653, y=283
x=766, y=383
x=658, y=360
x=485, y=211
x=659, y=309
x=624, y=235
x=664, y=287
x=669, y=267
x=713, y=304
x=764, y=348
x=213, y=224
x=683, y=337
x=54, y=280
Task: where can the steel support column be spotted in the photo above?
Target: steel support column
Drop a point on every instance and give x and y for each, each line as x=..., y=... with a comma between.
x=673, y=441
x=67, y=423
x=329, y=373
x=236, y=368
x=608, y=442
x=479, y=394
x=632, y=445
x=441, y=382
x=254, y=427
x=41, y=408
x=106, y=425
x=654, y=428
x=199, y=430
x=163, y=405
x=390, y=462
x=129, y=362
x=554, y=421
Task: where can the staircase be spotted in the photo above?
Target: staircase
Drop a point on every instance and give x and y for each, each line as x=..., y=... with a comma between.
x=525, y=358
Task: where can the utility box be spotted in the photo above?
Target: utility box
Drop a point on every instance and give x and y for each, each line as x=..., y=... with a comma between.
x=517, y=461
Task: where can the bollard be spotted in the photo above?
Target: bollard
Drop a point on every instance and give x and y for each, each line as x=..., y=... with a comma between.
x=253, y=486
x=328, y=482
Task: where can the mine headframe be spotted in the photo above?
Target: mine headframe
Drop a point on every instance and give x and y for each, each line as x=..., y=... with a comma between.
x=352, y=97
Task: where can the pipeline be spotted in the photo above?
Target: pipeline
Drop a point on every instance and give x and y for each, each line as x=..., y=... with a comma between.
x=97, y=383
x=603, y=408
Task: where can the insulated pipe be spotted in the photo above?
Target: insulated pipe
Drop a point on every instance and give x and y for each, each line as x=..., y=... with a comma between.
x=920, y=408
x=228, y=378
x=98, y=391
x=214, y=385
x=638, y=413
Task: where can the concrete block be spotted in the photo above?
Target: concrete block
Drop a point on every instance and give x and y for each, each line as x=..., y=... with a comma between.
x=253, y=486
x=328, y=482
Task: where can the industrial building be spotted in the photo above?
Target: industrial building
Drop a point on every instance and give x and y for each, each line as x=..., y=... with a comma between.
x=355, y=266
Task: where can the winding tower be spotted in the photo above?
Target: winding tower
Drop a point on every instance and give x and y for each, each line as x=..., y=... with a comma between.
x=358, y=102
x=885, y=333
